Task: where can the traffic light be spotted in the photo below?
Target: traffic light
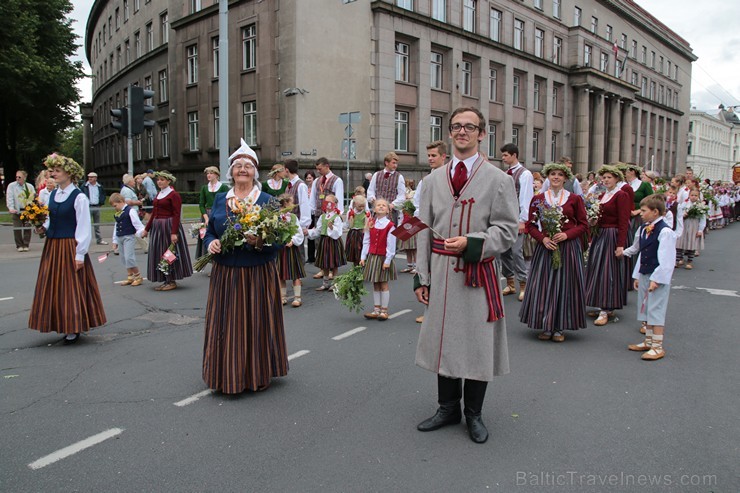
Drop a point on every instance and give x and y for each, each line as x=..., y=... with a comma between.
x=121, y=125
x=139, y=110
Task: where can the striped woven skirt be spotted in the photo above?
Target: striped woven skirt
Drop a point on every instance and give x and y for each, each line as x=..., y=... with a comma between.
x=66, y=300
x=529, y=245
x=353, y=245
x=290, y=264
x=329, y=253
x=404, y=245
x=374, y=272
x=244, y=345
x=555, y=298
x=159, y=241
x=688, y=239
x=605, y=279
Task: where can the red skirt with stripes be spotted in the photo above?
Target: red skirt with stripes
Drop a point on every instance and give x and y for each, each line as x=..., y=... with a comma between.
x=290, y=263
x=353, y=246
x=329, y=253
x=605, y=277
x=66, y=300
x=244, y=345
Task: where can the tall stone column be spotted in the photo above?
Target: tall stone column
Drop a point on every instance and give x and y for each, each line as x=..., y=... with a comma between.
x=614, y=133
x=638, y=137
x=86, y=112
x=597, y=135
x=625, y=152
x=582, y=140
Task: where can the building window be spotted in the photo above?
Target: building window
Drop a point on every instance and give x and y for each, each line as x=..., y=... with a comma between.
x=214, y=52
x=557, y=50
x=515, y=90
x=402, y=131
x=164, y=25
x=536, y=96
x=435, y=127
x=148, y=87
x=644, y=55
x=515, y=136
x=192, y=65
x=436, y=70
x=633, y=49
x=137, y=147
x=668, y=71
x=660, y=65
x=118, y=18
x=469, y=15
x=554, y=146
x=539, y=43
x=617, y=68
x=535, y=145
x=164, y=133
x=555, y=105
x=195, y=6
x=587, y=49
x=661, y=94
x=495, y=25
x=193, y=131
x=538, y=4
x=643, y=87
x=439, y=10
x=149, y=143
x=577, y=17
x=125, y=10
x=675, y=72
x=634, y=78
x=249, y=47
x=493, y=84
x=119, y=58
x=652, y=59
x=467, y=78
x=652, y=90
x=518, y=34
x=623, y=41
x=492, y=139
x=249, y=109
x=149, y=37
x=402, y=62
x=608, y=32
x=216, y=127
x=137, y=5
x=137, y=44
x=405, y=4
x=604, y=65
x=162, y=86
x=594, y=25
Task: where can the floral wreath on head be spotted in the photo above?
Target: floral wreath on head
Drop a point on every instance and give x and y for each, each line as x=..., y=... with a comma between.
x=613, y=170
x=166, y=175
x=67, y=164
x=627, y=166
x=550, y=167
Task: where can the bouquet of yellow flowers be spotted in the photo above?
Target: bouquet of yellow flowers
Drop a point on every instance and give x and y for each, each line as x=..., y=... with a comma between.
x=35, y=213
x=270, y=224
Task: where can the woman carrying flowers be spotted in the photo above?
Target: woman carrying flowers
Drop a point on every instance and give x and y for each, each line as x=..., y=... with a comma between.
x=244, y=344
x=66, y=299
x=557, y=220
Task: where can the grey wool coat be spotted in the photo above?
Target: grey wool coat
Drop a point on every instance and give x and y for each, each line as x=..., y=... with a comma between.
x=456, y=340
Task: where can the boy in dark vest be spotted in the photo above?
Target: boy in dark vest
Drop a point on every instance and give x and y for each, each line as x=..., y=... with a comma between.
x=655, y=242
x=128, y=227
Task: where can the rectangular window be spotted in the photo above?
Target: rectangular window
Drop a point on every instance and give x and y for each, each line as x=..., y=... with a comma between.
x=435, y=127
x=249, y=110
x=555, y=105
x=439, y=10
x=193, y=131
x=118, y=18
x=149, y=143
x=536, y=96
x=587, y=55
x=518, y=34
x=148, y=87
x=164, y=25
x=125, y=10
x=556, y=9
x=469, y=15
x=495, y=25
x=192, y=65
x=493, y=84
x=137, y=5
x=195, y=6
x=214, y=53
x=539, y=43
x=554, y=146
x=162, y=86
x=633, y=49
x=467, y=78
x=557, y=50
x=164, y=134
x=402, y=131
x=402, y=62
x=492, y=139
x=644, y=55
x=149, y=37
x=608, y=32
x=623, y=41
x=652, y=59
x=405, y=4
x=515, y=90
x=137, y=44
x=249, y=47
x=652, y=90
x=535, y=145
x=538, y=4
x=604, y=65
x=436, y=70
x=675, y=72
x=660, y=65
x=594, y=25
x=119, y=59
x=634, y=78
x=668, y=68
x=216, y=127
x=577, y=17
x=643, y=88
x=515, y=136
x=661, y=94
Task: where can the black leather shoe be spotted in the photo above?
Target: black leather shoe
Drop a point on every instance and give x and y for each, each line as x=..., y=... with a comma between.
x=443, y=417
x=67, y=342
x=476, y=429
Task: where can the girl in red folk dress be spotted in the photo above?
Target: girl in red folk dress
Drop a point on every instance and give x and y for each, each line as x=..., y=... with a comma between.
x=378, y=250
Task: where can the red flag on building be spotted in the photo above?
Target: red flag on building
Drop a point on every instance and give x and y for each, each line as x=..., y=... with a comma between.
x=409, y=228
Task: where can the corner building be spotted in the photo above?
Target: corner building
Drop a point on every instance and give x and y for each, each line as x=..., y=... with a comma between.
x=599, y=80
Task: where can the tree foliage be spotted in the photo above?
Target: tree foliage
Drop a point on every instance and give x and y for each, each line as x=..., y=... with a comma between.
x=70, y=143
x=37, y=77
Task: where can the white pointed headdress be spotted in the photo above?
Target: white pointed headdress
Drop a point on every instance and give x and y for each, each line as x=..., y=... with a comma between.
x=245, y=151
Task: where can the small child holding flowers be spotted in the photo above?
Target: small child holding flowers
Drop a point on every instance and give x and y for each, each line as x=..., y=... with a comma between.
x=329, y=250
x=290, y=259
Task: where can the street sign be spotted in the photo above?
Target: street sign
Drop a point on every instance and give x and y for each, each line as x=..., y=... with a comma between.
x=286, y=153
x=348, y=131
x=349, y=149
x=351, y=117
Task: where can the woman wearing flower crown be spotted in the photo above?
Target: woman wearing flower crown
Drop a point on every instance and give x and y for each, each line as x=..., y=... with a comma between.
x=66, y=299
x=244, y=344
x=555, y=300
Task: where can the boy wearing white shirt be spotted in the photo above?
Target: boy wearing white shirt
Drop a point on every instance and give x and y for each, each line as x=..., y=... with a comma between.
x=128, y=227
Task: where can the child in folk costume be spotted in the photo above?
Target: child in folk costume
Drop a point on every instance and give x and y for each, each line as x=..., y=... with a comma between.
x=329, y=250
x=408, y=246
x=128, y=227
x=378, y=250
x=655, y=242
x=691, y=239
x=356, y=224
x=290, y=262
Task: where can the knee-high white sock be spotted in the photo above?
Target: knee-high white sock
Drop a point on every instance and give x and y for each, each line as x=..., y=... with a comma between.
x=297, y=291
x=283, y=291
x=385, y=298
x=657, y=341
x=376, y=298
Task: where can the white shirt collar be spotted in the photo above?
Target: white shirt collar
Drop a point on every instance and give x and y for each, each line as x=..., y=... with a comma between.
x=469, y=163
x=164, y=192
x=253, y=194
x=382, y=222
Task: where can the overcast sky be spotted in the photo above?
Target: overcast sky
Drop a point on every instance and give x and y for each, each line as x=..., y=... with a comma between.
x=712, y=32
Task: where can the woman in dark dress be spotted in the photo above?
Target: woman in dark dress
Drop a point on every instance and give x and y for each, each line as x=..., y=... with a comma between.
x=207, y=195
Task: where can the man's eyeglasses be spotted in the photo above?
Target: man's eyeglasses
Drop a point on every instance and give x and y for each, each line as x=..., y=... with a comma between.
x=18, y=177
x=469, y=127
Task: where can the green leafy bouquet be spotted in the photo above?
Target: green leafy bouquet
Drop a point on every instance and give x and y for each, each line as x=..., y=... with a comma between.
x=349, y=289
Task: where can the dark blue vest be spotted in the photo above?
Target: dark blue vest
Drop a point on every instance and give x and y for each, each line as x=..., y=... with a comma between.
x=649, y=248
x=124, y=226
x=62, y=216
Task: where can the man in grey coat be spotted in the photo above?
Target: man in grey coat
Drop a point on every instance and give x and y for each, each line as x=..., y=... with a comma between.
x=472, y=208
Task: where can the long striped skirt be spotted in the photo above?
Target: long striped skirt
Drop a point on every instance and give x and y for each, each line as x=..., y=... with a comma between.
x=554, y=299
x=374, y=271
x=329, y=253
x=353, y=246
x=688, y=239
x=244, y=345
x=159, y=242
x=290, y=263
x=404, y=245
x=66, y=300
x=605, y=279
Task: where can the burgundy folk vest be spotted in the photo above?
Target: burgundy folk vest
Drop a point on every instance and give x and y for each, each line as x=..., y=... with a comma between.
x=386, y=188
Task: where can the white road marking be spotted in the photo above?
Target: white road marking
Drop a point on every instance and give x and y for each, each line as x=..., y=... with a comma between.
x=74, y=448
x=6, y=299
x=398, y=314
x=348, y=333
x=193, y=398
x=721, y=292
x=298, y=354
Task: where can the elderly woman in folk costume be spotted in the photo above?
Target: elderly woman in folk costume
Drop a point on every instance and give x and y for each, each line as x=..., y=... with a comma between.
x=555, y=301
x=244, y=344
x=605, y=279
x=66, y=299
x=167, y=231
x=207, y=195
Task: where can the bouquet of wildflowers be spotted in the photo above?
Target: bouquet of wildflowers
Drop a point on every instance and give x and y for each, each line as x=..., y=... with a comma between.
x=270, y=224
x=551, y=221
x=35, y=213
x=408, y=208
x=168, y=258
x=593, y=213
x=197, y=230
x=349, y=289
x=696, y=211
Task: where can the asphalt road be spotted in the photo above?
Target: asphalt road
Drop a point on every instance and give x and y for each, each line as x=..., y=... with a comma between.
x=584, y=415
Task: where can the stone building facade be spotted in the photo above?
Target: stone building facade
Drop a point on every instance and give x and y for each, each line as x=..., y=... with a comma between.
x=713, y=144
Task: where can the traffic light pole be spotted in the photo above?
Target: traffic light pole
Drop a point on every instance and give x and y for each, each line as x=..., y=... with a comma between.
x=130, y=139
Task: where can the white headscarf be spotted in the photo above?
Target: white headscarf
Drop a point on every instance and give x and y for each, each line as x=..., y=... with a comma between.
x=245, y=150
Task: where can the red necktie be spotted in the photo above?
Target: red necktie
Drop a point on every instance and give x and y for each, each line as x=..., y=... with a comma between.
x=509, y=172
x=460, y=177
x=387, y=175
x=290, y=185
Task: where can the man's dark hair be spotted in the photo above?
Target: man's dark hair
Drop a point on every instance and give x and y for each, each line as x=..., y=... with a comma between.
x=511, y=149
x=481, y=118
x=323, y=160
x=291, y=165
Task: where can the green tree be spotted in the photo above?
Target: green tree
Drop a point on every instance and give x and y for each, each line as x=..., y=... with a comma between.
x=37, y=77
x=71, y=143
